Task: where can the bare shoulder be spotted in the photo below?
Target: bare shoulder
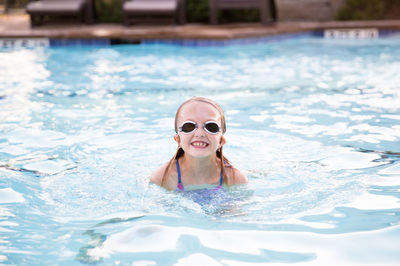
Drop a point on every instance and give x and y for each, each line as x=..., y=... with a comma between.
x=171, y=178
x=236, y=176
x=240, y=177
x=157, y=176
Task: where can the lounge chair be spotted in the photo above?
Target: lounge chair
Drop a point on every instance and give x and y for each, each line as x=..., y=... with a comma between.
x=82, y=9
x=170, y=11
x=263, y=5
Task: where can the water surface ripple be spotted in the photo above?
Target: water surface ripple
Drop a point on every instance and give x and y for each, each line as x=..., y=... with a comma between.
x=314, y=123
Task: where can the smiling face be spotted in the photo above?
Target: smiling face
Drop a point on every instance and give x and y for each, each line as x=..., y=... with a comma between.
x=199, y=143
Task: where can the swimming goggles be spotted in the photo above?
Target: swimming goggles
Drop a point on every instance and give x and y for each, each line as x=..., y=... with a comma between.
x=210, y=127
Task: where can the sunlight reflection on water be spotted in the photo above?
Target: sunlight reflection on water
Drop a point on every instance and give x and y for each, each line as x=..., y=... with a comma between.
x=314, y=124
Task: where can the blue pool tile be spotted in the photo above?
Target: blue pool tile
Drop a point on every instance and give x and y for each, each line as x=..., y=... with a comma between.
x=79, y=42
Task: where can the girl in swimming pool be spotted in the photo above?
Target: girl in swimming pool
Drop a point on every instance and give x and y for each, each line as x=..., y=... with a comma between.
x=200, y=127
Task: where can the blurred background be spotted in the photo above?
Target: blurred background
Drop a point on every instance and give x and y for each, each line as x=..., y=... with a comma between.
x=197, y=11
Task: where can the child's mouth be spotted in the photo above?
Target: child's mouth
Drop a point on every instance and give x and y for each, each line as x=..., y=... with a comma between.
x=199, y=144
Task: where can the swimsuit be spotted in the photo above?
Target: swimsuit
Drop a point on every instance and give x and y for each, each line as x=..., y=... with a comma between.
x=180, y=186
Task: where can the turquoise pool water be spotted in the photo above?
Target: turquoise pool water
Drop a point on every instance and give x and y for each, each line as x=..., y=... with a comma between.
x=314, y=123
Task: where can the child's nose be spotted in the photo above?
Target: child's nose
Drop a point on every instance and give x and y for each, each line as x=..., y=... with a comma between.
x=199, y=131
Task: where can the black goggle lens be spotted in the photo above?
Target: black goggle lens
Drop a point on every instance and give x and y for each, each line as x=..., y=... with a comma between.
x=188, y=127
x=210, y=127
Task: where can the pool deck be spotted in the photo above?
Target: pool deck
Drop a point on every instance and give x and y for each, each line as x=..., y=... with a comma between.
x=18, y=26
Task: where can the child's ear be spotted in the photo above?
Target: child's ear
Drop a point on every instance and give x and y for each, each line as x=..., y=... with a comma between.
x=177, y=138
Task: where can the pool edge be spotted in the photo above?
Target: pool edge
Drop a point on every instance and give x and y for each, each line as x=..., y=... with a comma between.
x=188, y=35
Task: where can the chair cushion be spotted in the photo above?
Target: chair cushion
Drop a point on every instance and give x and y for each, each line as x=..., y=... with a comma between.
x=151, y=6
x=48, y=7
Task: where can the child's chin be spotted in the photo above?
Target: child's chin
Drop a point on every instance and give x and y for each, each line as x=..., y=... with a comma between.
x=200, y=155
